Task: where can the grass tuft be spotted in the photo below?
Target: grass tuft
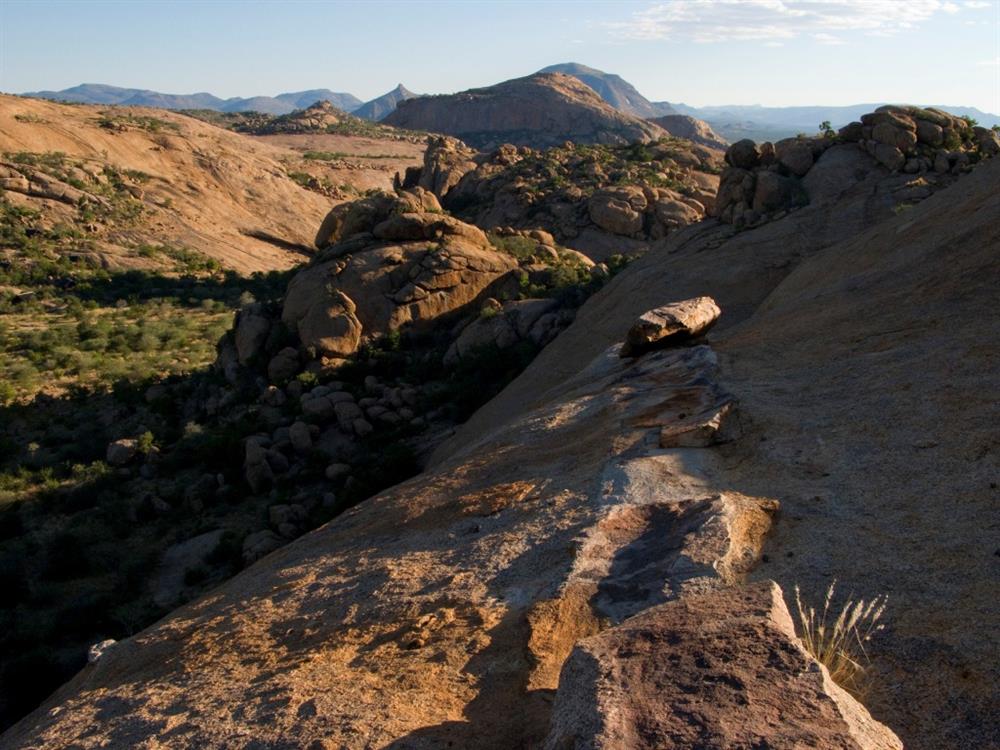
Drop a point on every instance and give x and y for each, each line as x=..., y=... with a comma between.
x=840, y=645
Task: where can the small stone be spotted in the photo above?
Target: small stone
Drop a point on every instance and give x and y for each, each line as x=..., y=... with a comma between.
x=96, y=651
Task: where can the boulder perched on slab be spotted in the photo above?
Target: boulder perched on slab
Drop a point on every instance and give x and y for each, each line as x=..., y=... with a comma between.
x=717, y=670
x=670, y=324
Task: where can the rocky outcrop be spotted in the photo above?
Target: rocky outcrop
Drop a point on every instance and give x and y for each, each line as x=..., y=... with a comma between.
x=693, y=129
x=766, y=181
x=408, y=268
x=446, y=162
x=843, y=323
x=502, y=326
x=714, y=671
x=576, y=192
x=539, y=110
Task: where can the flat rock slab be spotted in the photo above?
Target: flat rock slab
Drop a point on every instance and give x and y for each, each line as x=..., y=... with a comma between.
x=717, y=670
x=670, y=324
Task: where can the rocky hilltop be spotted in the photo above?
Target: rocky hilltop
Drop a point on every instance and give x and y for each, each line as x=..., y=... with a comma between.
x=602, y=555
x=539, y=111
x=613, y=89
x=601, y=200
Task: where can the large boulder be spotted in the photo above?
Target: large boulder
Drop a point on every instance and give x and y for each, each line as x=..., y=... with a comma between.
x=349, y=219
x=743, y=154
x=618, y=210
x=446, y=161
x=673, y=323
x=795, y=155
x=718, y=671
x=251, y=332
x=440, y=265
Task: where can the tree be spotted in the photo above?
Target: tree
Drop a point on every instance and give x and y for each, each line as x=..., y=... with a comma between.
x=827, y=129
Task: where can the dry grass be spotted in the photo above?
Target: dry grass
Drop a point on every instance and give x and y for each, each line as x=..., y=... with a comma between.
x=840, y=645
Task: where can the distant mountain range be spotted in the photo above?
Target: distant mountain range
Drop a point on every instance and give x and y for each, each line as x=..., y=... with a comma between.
x=730, y=121
x=96, y=93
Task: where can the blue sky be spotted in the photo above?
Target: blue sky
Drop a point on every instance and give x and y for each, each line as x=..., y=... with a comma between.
x=772, y=52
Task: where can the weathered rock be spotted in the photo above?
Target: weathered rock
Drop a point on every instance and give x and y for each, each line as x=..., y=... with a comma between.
x=698, y=430
x=773, y=191
x=718, y=670
x=251, y=330
x=795, y=155
x=334, y=305
x=673, y=213
x=890, y=134
x=337, y=471
x=300, y=438
x=284, y=365
x=256, y=468
x=743, y=154
x=851, y=133
x=446, y=161
x=673, y=323
x=929, y=133
x=513, y=322
x=618, y=210
x=987, y=140
x=347, y=412
x=121, y=452
x=97, y=650
x=426, y=226
x=260, y=543
x=889, y=156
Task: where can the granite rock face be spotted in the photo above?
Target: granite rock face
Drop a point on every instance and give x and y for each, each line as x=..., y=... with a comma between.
x=716, y=671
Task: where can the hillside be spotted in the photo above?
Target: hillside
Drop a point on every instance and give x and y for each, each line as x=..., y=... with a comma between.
x=381, y=107
x=697, y=131
x=595, y=525
x=538, y=111
x=193, y=185
x=95, y=93
x=613, y=89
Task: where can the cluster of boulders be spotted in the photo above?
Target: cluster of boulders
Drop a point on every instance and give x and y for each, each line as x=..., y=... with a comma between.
x=765, y=181
x=505, y=324
x=567, y=191
x=916, y=140
x=319, y=423
x=643, y=212
x=386, y=261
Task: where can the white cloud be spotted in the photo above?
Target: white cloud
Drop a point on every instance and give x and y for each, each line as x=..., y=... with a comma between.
x=976, y=4
x=750, y=20
x=994, y=63
x=828, y=39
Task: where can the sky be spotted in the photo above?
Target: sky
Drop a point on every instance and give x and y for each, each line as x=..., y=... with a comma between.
x=699, y=52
